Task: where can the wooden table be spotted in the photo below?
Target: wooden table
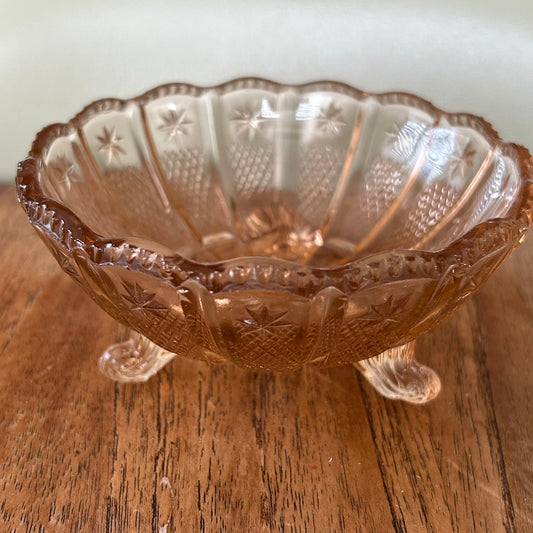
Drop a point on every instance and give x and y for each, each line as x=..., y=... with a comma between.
x=212, y=449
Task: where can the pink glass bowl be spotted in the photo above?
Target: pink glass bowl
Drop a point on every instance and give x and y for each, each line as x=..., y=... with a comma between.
x=275, y=226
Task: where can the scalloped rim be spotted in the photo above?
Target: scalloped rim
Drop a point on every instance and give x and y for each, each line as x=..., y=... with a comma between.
x=65, y=226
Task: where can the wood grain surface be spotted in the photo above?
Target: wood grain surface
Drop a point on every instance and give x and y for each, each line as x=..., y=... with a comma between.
x=215, y=449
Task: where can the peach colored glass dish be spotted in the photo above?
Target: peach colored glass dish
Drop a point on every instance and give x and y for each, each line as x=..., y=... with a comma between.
x=275, y=226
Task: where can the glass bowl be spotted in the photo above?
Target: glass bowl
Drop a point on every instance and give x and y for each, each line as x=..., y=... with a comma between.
x=275, y=226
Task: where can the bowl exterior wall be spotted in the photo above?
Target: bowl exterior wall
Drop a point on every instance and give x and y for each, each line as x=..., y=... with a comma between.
x=253, y=323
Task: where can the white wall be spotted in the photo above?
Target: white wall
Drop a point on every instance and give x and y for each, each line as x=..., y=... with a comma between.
x=57, y=55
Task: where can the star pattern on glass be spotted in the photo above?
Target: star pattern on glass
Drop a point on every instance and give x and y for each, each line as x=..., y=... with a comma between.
x=394, y=130
x=64, y=262
x=470, y=284
x=330, y=121
x=174, y=124
x=386, y=312
x=110, y=144
x=140, y=298
x=248, y=122
x=393, y=137
x=262, y=321
x=404, y=140
x=462, y=160
x=62, y=171
x=467, y=278
x=453, y=275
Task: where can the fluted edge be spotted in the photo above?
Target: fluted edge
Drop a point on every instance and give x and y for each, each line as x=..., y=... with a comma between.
x=61, y=224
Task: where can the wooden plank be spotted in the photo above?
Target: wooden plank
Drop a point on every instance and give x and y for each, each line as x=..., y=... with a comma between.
x=17, y=291
x=56, y=430
x=505, y=317
x=209, y=449
x=442, y=462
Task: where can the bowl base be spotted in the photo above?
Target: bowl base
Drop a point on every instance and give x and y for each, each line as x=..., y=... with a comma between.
x=394, y=373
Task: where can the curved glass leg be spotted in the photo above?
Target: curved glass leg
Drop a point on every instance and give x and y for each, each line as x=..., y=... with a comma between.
x=397, y=375
x=134, y=359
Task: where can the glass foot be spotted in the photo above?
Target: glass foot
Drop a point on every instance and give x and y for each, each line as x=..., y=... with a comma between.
x=134, y=359
x=397, y=375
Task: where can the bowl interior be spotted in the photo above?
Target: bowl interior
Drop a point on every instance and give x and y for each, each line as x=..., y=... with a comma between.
x=320, y=174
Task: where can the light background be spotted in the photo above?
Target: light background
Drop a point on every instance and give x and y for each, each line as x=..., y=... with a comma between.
x=56, y=56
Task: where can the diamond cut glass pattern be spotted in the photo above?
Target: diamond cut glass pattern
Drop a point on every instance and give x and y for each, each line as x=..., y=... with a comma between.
x=275, y=226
